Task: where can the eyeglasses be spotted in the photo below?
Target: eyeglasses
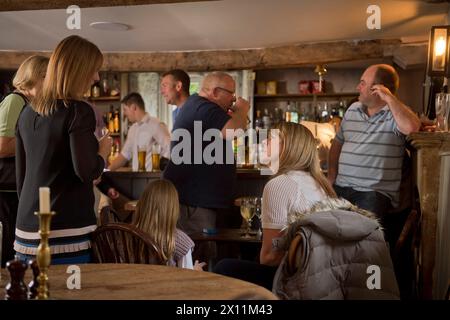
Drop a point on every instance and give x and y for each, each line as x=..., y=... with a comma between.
x=226, y=90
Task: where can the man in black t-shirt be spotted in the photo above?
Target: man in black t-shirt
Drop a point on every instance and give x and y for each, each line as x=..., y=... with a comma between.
x=205, y=187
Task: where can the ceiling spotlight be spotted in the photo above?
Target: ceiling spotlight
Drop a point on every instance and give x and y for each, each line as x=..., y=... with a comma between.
x=111, y=26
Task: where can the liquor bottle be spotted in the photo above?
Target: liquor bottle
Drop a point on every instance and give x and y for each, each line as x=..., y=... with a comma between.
x=96, y=90
x=342, y=107
x=288, y=112
x=115, y=90
x=276, y=116
x=116, y=121
x=258, y=121
x=111, y=119
x=105, y=87
x=266, y=119
x=294, y=115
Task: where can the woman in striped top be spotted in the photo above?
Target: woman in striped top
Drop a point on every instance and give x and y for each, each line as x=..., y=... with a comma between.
x=56, y=148
x=296, y=187
x=157, y=214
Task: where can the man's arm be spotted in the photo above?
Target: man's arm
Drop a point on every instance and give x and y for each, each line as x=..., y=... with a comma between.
x=238, y=118
x=407, y=121
x=7, y=147
x=118, y=162
x=333, y=160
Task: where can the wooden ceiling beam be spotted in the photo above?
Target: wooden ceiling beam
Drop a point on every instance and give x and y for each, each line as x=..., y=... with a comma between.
x=268, y=58
x=14, y=5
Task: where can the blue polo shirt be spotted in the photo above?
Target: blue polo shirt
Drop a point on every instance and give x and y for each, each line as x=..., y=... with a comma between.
x=202, y=184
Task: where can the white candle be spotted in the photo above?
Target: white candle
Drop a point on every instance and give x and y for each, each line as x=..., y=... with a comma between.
x=44, y=199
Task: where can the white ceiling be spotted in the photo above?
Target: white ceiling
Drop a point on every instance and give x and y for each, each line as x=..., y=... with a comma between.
x=226, y=24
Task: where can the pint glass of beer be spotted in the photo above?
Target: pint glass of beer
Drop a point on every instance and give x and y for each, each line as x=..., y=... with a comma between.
x=156, y=157
x=142, y=154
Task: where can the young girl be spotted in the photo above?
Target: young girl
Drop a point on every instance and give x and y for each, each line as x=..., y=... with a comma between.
x=157, y=214
x=296, y=187
x=57, y=148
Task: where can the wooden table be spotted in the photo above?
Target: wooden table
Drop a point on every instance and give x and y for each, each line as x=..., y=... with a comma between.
x=227, y=235
x=146, y=282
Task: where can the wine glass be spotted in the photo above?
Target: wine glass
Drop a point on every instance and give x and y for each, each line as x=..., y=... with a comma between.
x=248, y=210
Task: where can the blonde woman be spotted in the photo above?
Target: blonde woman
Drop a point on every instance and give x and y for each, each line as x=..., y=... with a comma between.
x=157, y=214
x=56, y=148
x=296, y=187
x=27, y=81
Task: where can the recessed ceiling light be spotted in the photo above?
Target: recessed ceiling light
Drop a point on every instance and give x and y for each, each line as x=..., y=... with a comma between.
x=112, y=26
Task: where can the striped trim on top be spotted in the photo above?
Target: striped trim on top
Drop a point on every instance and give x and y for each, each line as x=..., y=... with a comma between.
x=56, y=233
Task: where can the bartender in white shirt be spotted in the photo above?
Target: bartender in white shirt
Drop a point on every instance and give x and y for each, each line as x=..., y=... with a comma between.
x=146, y=130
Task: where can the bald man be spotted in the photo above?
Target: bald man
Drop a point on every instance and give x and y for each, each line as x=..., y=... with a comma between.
x=203, y=188
x=365, y=159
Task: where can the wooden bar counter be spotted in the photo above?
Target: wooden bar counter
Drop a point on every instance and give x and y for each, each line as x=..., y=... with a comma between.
x=131, y=184
x=146, y=282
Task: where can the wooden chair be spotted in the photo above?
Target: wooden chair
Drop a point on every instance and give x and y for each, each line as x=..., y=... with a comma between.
x=124, y=243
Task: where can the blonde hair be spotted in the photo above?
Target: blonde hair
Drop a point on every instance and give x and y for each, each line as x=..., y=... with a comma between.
x=157, y=214
x=69, y=73
x=299, y=152
x=30, y=72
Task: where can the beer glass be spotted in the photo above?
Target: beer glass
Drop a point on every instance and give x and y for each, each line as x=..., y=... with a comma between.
x=156, y=157
x=142, y=154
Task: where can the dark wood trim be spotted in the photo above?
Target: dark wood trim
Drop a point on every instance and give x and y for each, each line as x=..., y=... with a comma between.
x=267, y=58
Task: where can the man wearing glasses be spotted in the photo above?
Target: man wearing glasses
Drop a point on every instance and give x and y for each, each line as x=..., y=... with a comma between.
x=205, y=189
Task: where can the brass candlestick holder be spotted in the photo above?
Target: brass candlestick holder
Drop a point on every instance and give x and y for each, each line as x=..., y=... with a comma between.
x=43, y=256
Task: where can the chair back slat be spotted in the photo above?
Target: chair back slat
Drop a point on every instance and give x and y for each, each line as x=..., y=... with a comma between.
x=124, y=243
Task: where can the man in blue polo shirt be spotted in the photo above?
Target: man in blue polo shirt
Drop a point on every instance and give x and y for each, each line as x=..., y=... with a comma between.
x=205, y=188
x=365, y=160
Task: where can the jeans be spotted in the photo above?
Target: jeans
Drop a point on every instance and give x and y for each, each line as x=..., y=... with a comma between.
x=369, y=200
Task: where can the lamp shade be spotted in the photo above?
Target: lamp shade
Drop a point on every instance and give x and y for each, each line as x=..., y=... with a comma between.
x=438, y=52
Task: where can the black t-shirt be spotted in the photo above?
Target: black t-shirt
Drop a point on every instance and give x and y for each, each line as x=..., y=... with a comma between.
x=199, y=183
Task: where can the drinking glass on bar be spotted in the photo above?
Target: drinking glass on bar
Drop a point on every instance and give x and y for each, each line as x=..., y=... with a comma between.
x=442, y=111
x=142, y=154
x=156, y=157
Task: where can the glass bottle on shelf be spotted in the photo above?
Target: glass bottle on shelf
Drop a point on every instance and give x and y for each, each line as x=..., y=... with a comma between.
x=288, y=112
x=105, y=87
x=115, y=89
x=111, y=119
x=116, y=121
x=258, y=121
x=276, y=116
x=294, y=114
x=324, y=115
x=266, y=119
x=342, y=107
x=96, y=90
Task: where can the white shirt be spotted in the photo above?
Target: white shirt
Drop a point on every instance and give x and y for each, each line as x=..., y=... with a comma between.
x=293, y=192
x=146, y=132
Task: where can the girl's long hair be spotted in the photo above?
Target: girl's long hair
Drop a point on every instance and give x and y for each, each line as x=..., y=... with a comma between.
x=298, y=151
x=157, y=213
x=69, y=73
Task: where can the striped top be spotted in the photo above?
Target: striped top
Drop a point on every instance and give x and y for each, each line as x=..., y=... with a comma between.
x=292, y=192
x=372, y=152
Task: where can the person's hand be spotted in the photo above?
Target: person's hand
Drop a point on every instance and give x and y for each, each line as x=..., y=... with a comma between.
x=97, y=181
x=199, y=265
x=104, y=146
x=113, y=193
x=381, y=91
